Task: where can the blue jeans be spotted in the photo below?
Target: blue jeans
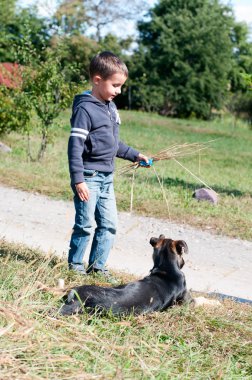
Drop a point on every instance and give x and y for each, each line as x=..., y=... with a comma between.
x=100, y=207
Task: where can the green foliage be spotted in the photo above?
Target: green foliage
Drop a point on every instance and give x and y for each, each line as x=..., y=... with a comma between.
x=240, y=105
x=13, y=26
x=139, y=92
x=7, y=11
x=185, y=53
x=240, y=102
x=74, y=50
x=47, y=90
x=115, y=44
x=190, y=53
x=43, y=90
x=7, y=22
x=70, y=17
x=242, y=57
x=248, y=80
x=14, y=111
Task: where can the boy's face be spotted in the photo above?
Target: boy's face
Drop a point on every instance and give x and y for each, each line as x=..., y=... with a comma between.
x=107, y=89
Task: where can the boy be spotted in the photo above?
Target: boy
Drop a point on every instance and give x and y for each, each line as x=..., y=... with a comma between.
x=93, y=145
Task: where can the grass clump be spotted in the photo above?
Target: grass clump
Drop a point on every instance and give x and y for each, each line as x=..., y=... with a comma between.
x=181, y=343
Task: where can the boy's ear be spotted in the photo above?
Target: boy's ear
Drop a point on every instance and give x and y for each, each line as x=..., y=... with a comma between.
x=96, y=79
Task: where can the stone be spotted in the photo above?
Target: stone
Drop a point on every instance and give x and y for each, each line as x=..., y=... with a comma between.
x=4, y=148
x=204, y=194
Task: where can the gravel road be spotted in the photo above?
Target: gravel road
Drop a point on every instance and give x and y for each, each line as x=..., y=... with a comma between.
x=214, y=263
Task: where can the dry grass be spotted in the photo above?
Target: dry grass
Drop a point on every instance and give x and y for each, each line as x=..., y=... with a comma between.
x=171, y=153
x=182, y=343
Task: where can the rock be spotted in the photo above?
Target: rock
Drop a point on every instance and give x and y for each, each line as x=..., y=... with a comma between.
x=4, y=148
x=206, y=195
x=202, y=301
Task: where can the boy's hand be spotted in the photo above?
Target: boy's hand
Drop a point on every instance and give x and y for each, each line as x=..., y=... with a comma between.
x=82, y=191
x=142, y=157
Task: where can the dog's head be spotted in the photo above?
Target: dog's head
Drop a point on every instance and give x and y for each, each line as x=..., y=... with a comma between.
x=168, y=252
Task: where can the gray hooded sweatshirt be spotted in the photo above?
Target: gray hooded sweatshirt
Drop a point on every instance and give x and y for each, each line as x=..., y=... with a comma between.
x=94, y=139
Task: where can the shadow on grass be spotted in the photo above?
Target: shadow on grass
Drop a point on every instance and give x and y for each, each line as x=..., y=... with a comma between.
x=176, y=182
x=21, y=252
x=193, y=186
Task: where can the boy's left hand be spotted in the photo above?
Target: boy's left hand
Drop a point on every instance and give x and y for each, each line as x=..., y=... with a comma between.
x=142, y=157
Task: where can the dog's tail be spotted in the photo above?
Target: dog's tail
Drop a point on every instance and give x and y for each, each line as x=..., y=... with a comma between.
x=72, y=305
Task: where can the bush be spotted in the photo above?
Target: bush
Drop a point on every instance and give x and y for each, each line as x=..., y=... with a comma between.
x=240, y=104
x=13, y=116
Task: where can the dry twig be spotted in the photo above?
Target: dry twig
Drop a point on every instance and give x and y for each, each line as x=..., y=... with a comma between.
x=173, y=152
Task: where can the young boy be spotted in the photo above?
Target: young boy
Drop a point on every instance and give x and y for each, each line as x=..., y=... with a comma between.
x=92, y=148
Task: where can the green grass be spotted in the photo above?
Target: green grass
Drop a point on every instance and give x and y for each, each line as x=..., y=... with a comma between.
x=181, y=343
x=225, y=167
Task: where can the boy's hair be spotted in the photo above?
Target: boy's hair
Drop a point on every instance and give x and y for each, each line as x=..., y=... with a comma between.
x=106, y=64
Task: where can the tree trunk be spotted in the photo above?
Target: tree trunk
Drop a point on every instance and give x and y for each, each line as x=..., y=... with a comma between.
x=43, y=145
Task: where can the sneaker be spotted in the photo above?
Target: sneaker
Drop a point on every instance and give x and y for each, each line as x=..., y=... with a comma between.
x=79, y=268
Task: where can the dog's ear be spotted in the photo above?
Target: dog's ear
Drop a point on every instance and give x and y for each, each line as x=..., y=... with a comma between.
x=181, y=247
x=154, y=241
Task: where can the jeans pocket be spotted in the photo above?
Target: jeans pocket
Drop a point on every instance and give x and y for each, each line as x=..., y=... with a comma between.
x=90, y=173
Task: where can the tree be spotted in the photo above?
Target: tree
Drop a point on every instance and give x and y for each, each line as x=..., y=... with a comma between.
x=49, y=93
x=240, y=102
x=104, y=13
x=242, y=57
x=7, y=16
x=187, y=52
x=248, y=80
x=71, y=17
x=43, y=89
x=75, y=50
x=115, y=44
x=77, y=15
x=13, y=25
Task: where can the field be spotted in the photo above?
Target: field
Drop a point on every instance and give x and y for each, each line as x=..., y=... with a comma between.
x=225, y=166
x=181, y=343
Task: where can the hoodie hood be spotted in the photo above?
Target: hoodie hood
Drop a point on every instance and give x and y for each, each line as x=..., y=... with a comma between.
x=86, y=97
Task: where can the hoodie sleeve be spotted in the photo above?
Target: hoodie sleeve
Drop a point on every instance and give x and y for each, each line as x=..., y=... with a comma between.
x=126, y=152
x=80, y=127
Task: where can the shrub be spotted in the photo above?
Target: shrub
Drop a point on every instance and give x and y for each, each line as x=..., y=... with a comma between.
x=14, y=116
x=240, y=104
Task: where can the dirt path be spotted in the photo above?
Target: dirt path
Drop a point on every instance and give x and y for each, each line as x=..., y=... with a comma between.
x=214, y=263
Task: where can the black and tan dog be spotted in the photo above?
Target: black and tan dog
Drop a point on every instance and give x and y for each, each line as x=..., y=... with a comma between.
x=164, y=287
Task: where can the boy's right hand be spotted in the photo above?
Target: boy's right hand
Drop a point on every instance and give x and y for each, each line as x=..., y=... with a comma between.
x=82, y=191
